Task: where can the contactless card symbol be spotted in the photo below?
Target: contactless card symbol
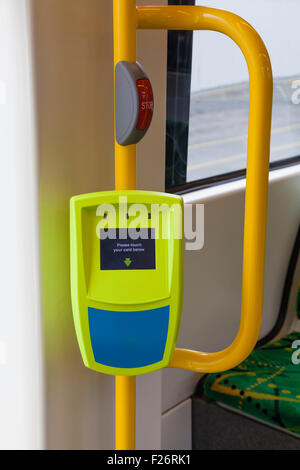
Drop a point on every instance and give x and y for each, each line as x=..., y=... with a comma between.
x=128, y=262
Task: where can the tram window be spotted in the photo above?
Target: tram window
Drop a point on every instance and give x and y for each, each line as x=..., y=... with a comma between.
x=208, y=95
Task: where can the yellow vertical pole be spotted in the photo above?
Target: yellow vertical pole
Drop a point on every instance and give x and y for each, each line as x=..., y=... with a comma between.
x=125, y=49
x=125, y=413
x=125, y=178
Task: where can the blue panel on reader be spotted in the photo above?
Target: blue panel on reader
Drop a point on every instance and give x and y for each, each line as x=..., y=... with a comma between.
x=128, y=339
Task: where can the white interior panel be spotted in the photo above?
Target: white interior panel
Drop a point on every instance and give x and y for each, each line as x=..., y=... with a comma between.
x=177, y=427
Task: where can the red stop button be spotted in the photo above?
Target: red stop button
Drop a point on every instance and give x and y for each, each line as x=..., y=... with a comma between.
x=146, y=104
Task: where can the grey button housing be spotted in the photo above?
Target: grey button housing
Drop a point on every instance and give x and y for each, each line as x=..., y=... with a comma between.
x=127, y=102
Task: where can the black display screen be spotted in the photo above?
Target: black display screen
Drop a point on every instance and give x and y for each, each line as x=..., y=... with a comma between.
x=118, y=251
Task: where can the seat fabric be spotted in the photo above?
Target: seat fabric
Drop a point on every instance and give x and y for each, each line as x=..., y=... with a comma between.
x=266, y=385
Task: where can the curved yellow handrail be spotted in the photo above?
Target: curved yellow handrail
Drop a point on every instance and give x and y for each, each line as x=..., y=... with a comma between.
x=260, y=111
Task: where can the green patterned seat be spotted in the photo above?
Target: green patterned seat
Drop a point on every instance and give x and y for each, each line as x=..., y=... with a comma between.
x=266, y=385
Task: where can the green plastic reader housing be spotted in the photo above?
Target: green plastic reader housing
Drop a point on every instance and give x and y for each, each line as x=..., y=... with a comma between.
x=127, y=279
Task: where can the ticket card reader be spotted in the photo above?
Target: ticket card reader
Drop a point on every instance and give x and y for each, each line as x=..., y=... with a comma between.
x=127, y=279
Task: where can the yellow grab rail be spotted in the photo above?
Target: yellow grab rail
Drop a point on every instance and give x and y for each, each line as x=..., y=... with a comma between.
x=125, y=49
x=125, y=178
x=260, y=112
x=125, y=413
x=128, y=17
